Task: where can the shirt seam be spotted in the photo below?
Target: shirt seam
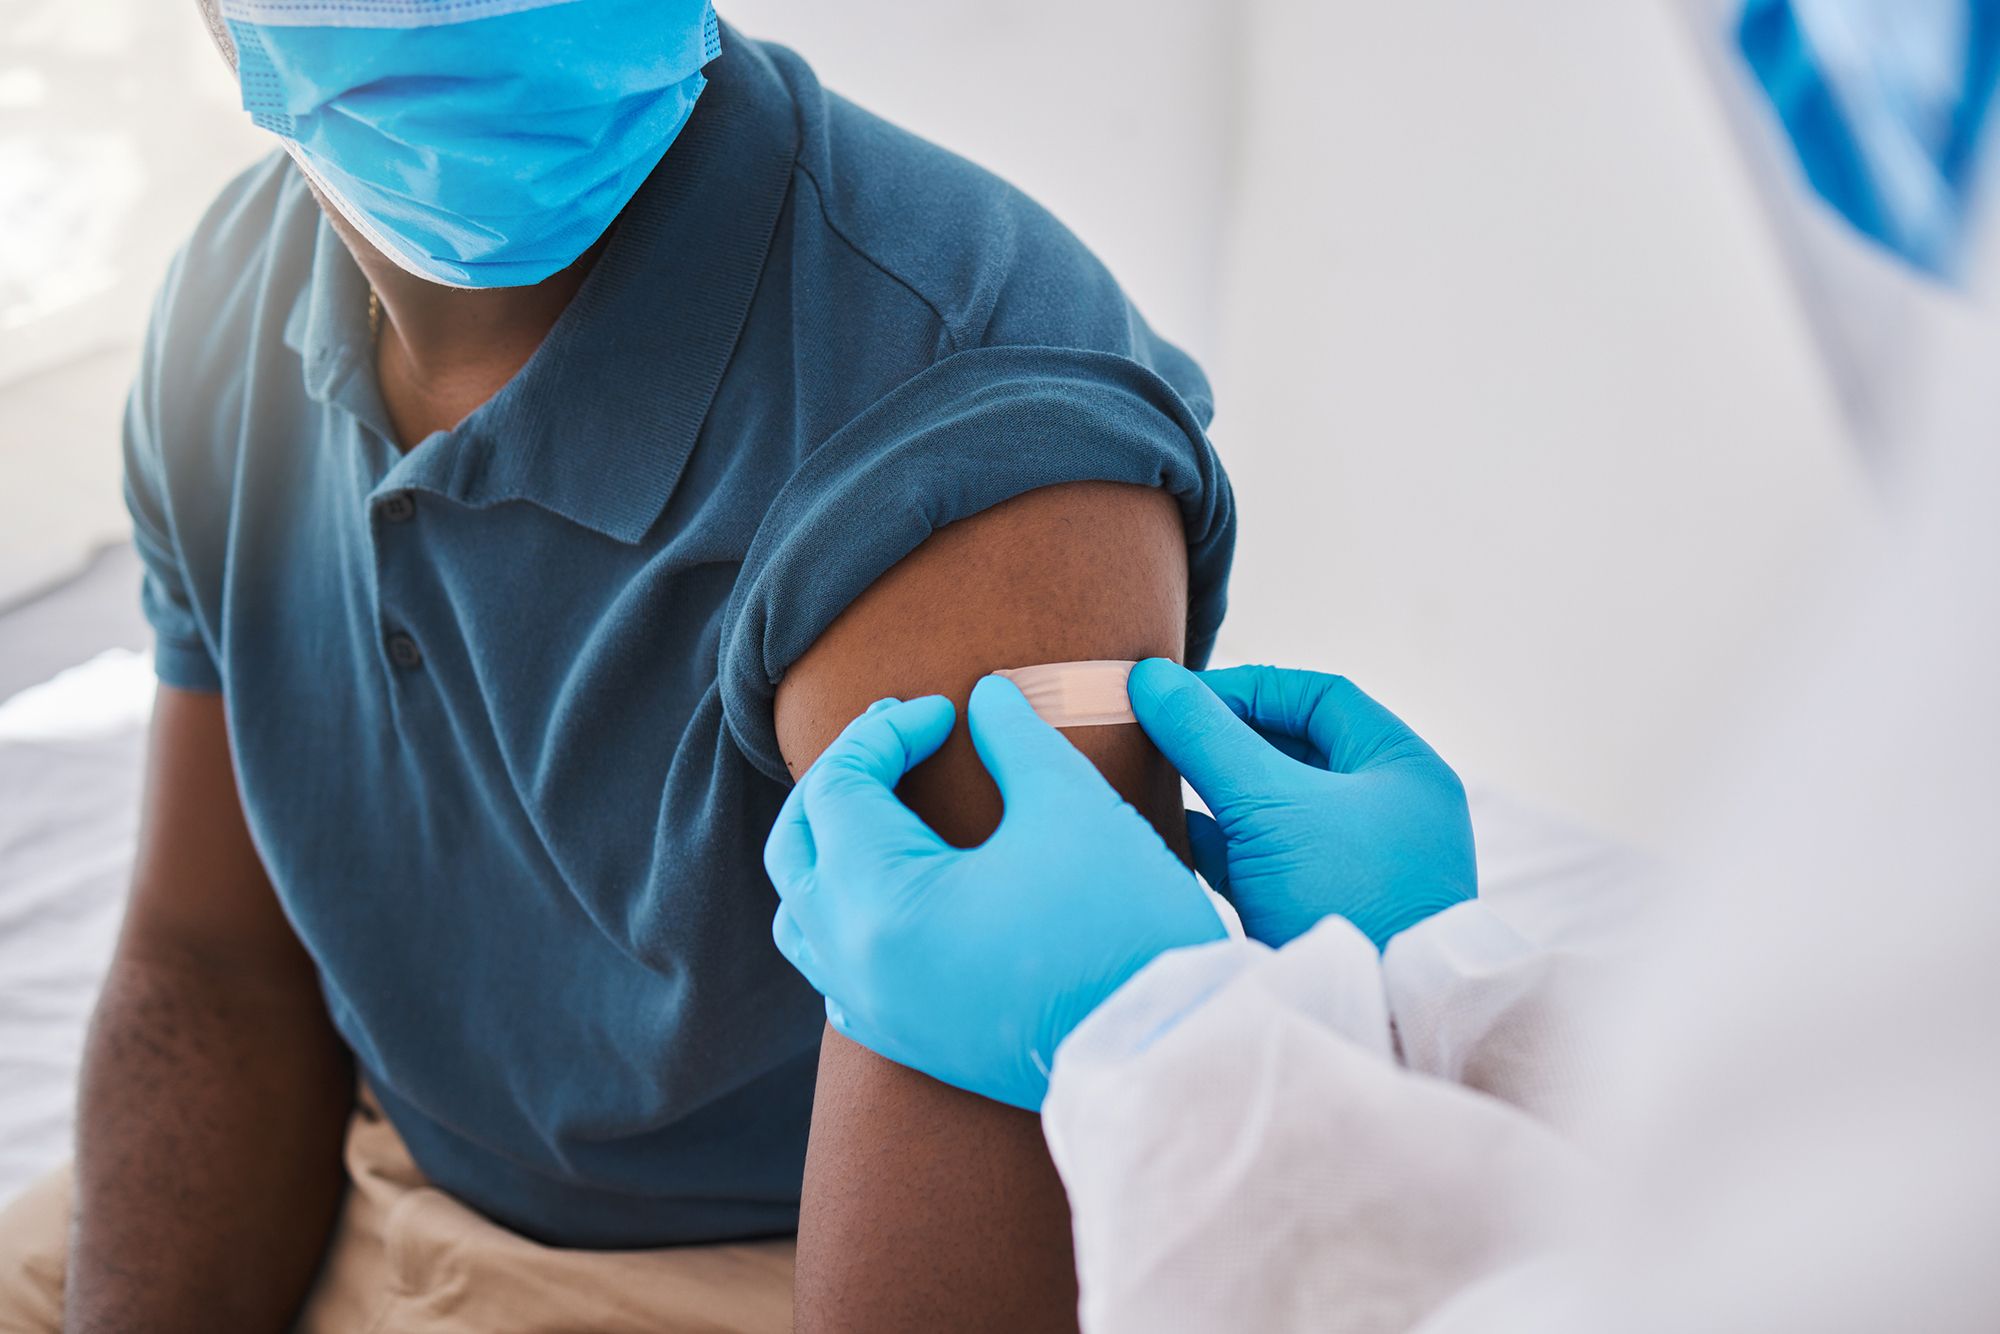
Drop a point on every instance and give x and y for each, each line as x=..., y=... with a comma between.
x=180, y=641
x=959, y=340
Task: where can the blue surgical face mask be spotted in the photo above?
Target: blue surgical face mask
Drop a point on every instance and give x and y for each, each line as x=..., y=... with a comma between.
x=477, y=143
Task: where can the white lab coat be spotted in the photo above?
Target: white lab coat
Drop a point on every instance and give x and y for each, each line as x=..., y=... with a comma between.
x=1252, y=1139
x=1784, y=1117
x=1803, y=1131
x=1801, y=1128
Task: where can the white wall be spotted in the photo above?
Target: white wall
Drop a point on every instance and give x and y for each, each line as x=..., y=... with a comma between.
x=1527, y=429
x=118, y=123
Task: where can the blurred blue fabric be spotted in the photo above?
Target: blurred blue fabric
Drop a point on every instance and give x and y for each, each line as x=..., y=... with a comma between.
x=1886, y=103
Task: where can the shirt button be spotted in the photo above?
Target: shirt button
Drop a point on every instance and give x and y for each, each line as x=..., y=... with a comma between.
x=397, y=508
x=403, y=651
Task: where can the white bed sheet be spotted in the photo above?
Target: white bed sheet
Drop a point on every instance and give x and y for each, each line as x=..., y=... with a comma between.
x=70, y=757
x=71, y=751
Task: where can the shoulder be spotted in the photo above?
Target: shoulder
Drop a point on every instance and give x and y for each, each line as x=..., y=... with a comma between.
x=996, y=267
x=251, y=252
x=260, y=220
x=245, y=219
x=219, y=316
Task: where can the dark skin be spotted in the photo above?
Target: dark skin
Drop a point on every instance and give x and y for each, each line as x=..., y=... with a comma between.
x=927, y=1208
x=443, y=351
x=216, y=1092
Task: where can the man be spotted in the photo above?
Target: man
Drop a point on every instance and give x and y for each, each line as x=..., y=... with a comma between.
x=535, y=466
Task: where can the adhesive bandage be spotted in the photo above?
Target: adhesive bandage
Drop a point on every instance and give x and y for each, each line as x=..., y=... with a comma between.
x=1076, y=694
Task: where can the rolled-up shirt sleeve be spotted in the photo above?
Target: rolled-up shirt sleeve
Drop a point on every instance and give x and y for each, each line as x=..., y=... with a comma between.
x=183, y=656
x=974, y=430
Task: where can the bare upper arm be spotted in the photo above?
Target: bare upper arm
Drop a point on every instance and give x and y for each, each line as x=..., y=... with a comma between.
x=214, y=1089
x=1064, y=574
x=926, y=1207
x=200, y=895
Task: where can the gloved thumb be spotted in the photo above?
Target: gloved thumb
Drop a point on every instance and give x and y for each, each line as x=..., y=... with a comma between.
x=1217, y=752
x=1027, y=758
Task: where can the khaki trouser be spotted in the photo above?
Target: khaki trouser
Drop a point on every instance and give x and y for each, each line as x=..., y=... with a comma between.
x=406, y=1258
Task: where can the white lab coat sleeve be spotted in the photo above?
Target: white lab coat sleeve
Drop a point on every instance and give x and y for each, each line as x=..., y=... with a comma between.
x=1242, y=1151
x=1475, y=1002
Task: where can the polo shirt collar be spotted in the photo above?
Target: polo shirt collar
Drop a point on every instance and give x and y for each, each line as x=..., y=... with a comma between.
x=328, y=328
x=599, y=424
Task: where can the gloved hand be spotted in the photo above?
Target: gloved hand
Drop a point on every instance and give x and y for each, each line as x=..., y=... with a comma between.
x=972, y=964
x=1324, y=801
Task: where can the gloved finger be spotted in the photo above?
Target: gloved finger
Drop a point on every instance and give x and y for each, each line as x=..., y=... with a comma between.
x=844, y=1023
x=849, y=793
x=1211, y=850
x=866, y=1035
x=791, y=942
x=797, y=949
x=1027, y=757
x=789, y=851
x=894, y=744
x=1348, y=731
x=886, y=702
x=1216, y=751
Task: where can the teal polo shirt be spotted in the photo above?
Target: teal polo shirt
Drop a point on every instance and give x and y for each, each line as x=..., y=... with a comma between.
x=501, y=706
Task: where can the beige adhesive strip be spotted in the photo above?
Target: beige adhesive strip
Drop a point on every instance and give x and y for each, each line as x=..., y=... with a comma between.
x=1076, y=694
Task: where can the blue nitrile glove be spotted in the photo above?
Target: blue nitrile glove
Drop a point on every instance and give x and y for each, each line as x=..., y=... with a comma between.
x=1324, y=801
x=972, y=964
